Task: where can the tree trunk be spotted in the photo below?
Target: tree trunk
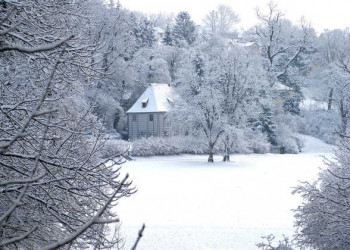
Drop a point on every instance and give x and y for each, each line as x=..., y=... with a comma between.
x=211, y=153
x=226, y=157
x=330, y=99
x=344, y=117
x=227, y=150
x=211, y=157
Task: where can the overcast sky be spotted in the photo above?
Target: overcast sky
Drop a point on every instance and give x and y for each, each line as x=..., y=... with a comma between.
x=322, y=14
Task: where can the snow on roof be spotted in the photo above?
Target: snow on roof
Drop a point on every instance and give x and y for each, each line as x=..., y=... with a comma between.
x=158, y=30
x=248, y=44
x=241, y=43
x=158, y=96
x=280, y=86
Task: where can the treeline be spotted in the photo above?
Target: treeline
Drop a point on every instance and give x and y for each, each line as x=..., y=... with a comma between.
x=274, y=80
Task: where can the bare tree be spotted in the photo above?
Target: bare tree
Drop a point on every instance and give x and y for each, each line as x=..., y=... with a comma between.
x=282, y=43
x=199, y=92
x=211, y=21
x=330, y=82
x=268, y=243
x=222, y=20
x=322, y=219
x=55, y=190
x=162, y=19
x=240, y=80
x=222, y=89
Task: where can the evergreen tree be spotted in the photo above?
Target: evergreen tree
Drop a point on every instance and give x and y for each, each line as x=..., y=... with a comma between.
x=266, y=125
x=291, y=105
x=199, y=64
x=184, y=29
x=168, y=37
x=144, y=33
x=293, y=77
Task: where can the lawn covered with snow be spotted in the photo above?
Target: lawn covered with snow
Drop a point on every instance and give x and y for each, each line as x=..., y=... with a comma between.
x=187, y=203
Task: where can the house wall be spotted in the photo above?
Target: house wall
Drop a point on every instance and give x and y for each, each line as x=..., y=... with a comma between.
x=143, y=127
x=282, y=96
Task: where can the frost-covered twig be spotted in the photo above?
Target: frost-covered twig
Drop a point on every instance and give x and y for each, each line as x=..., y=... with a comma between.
x=95, y=220
x=139, y=236
x=36, y=49
x=35, y=112
x=20, y=181
x=17, y=239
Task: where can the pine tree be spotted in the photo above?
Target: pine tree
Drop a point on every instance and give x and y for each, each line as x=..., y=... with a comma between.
x=199, y=64
x=168, y=37
x=293, y=79
x=184, y=29
x=266, y=125
x=144, y=33
x=291, y=105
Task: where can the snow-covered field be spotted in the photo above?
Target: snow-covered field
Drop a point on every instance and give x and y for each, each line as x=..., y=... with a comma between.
x=187, y=203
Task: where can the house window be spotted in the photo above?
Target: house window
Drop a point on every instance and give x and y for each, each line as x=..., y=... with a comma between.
x=134, y=118
x=151, y=118
x=144, y=103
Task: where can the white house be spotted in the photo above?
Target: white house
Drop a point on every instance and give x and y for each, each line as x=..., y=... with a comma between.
x=282, y=92
x=147, y=117
x=159, y=34
x=251, y=46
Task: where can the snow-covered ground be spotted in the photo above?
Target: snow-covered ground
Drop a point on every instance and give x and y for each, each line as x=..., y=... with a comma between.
x=187, y=203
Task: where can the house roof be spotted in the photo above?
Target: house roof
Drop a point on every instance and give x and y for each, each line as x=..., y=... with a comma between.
x=241, y=43
x=156, y=98
x=158, y=30
x=280, y=87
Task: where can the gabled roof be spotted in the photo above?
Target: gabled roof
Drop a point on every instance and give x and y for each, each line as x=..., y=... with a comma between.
x=246, y=44
x=241, y=43
x=281, y=87
x=158, y=97
x=158, y=30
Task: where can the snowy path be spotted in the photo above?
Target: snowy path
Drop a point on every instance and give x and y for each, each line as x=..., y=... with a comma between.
x=187, y=203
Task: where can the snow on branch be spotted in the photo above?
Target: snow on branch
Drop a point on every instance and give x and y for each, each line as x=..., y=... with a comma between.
x=95, y=220
x=4, y=147
x=17, y=239
x=139, y=236
x=19, y=181
x=36, y=49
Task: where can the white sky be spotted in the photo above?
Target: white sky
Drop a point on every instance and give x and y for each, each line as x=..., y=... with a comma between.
x=322, y=14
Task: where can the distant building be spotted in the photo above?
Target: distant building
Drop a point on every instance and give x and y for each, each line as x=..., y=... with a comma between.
x=159, y=34
x=147, y=117
x=252, y=46
x=283, y=93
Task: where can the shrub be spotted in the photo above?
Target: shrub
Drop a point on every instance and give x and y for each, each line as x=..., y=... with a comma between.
x=322, y=124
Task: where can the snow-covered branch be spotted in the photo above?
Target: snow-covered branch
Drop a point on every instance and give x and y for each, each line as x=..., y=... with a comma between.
x=96, y=219
x=37, y=49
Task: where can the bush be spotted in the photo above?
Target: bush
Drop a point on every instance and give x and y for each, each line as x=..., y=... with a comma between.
x=286, y=132
x=269, y=241
x=113, y=147
x=322, y=124
x=248, y=142
x=168, y=146
x=258, y=142
x=245, y=142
